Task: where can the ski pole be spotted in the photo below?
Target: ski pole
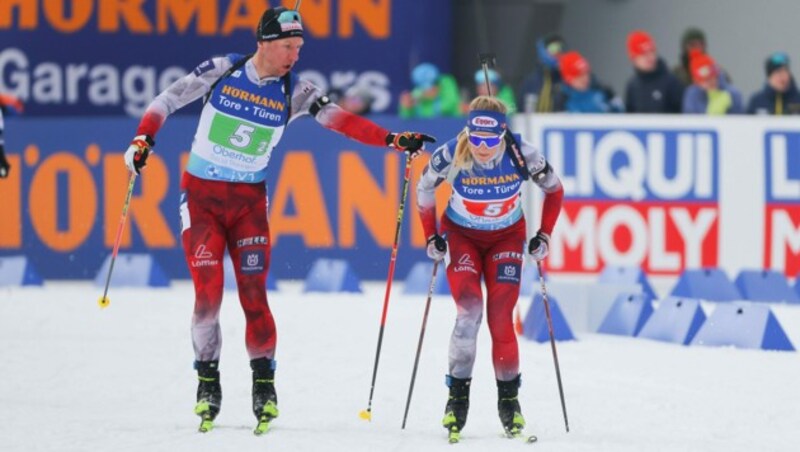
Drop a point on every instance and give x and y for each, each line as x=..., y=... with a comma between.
x=367, y=414
x=553, y=345
x=419, y=344
x=103, y=301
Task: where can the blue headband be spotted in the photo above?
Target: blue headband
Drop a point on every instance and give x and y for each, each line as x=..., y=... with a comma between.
x=486, y=121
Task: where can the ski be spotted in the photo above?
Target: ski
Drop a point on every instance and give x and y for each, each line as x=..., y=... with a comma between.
x=206, y=425
x=519, y=435
x=207, y=415
x=263, y=425
x=454, y=436
x=268, y=413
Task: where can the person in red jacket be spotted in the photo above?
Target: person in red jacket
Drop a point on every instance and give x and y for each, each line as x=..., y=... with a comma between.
x=482, y=235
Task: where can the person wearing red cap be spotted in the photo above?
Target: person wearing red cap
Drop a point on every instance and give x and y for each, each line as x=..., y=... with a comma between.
x=710, y=93
x=652, y=88
x=249, y=101
x=580, y=92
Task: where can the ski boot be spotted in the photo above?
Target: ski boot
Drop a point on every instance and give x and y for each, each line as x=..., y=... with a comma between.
x=455, y=412
x=265, y=400
x=209, y=393
x=508, y=407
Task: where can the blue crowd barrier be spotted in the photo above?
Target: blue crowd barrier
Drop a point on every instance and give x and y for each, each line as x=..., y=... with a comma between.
x=418, y=280
x=710, y=284
x=535, y=327
x=133, y=270
x=676, y=320
x=627, y=315
x=765, y=285
x=621, y=274
x=332, y=275
x=18, y=271
x=743, y=325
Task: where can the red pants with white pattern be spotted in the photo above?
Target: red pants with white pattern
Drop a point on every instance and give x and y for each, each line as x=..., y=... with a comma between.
x=216, y=215
x=497, y=256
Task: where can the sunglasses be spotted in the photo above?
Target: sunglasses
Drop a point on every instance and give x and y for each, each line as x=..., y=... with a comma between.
x=490, y=141
x=288, y=17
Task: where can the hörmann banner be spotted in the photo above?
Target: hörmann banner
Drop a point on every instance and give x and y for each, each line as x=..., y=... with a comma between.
x=111, y=57
x=328, y=196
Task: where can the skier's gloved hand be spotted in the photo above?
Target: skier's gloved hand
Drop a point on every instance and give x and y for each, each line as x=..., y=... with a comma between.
x=4, y=166
x=539, y=247
x=437, y=247
x=136, y=155
x=411, y=142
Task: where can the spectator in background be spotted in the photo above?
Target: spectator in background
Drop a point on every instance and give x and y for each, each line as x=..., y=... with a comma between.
x=710, y=94
x=434, y=94
x=779, y=95
x=500, y=90
x=652, y=88
x=357, y=100
x=693, y=39
x=538, y=91
x=8, y=105
x=580, y=92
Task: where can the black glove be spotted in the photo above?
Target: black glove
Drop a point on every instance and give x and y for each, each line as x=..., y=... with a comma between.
x=4, y=166
x=136, y=155
x=411, y=142
x=539, y=246
x=437, y=247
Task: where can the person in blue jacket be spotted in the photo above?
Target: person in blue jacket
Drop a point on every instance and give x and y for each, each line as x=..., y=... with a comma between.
x=538, y=90
x=779, y=95
x=581, y=92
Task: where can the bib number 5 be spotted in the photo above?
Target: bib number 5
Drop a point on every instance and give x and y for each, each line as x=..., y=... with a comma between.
x=241, y=136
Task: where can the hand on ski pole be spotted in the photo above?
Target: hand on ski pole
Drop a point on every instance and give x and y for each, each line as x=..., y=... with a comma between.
x=437, y=247
x=539, y=247
x=411, y=142
x=136, y=155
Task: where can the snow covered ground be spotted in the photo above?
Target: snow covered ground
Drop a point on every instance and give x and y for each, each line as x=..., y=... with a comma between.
x=77, y=378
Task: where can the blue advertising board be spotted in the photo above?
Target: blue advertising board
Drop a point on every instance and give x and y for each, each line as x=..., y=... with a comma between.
x=329, y=196
x=112, y=57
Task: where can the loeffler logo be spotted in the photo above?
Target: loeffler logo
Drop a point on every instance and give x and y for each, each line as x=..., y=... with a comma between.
x=484, y=121
x=202, y=253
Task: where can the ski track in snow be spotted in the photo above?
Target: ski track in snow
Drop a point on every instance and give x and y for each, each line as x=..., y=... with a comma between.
x=77, y=378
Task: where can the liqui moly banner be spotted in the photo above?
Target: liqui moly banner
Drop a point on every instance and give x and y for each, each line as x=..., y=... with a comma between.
x=673, y=192
x=782, y=208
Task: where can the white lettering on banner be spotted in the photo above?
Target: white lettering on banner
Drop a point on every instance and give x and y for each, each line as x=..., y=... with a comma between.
x=622, y=217
x=575, y=234
x=693, y=232
x=595, y=235
x=136, y=86
x=785, y=234
x=52, y=83
x=645, y=172
x=782, y=187
x=659, y=256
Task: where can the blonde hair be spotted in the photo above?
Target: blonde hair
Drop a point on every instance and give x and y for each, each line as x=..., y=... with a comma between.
x=462, y=159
